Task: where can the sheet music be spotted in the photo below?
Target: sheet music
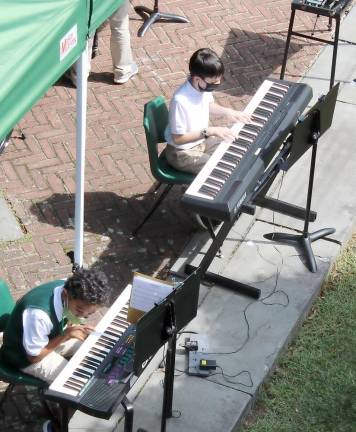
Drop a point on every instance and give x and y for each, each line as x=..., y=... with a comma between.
x=147, y=291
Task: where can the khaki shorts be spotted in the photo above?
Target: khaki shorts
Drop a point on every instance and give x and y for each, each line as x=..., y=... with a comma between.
x=50, y=366
x=192, y=160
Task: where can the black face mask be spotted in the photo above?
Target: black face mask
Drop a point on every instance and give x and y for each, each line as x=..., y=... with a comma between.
x=210, y=87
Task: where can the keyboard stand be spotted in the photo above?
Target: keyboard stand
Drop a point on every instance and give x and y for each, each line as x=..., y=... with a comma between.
x=219, y=239
x=126, y=403
x=332, y=14
x=260, y=199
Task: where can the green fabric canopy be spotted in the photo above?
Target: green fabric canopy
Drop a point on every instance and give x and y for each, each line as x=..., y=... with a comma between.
x=39, y=40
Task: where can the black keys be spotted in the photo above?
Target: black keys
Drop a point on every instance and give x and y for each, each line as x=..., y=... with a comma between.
x=243, y=142
x=238, y=151
x=268, y=105
x=210, y=191
x=252, y=127
x=225, y=166
x=219, y=174
x=263, y=112
x=246, y=134
x=230, y=158
x=272, y=98
x=214, y=182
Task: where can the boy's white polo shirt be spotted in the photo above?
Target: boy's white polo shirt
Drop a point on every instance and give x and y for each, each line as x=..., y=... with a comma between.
x=188, y=112
x=37, y=324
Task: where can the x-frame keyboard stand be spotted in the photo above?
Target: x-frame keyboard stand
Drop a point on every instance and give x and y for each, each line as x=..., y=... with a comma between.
x=332, y=14
x=127, y=405
x=258, y=198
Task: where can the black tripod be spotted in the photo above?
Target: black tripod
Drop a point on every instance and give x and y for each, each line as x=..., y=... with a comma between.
x=316, y=122
x=150, y=16
x=171, y=330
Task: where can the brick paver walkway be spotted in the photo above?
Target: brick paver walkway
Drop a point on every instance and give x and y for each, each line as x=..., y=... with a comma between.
x=38, y=175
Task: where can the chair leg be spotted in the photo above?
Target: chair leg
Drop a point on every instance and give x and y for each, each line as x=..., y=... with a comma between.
x=45, y=405
x=9, y=389
x=156, y=204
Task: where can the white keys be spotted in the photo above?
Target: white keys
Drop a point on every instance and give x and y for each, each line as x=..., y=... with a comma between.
x=92, y=352
x=228, y=166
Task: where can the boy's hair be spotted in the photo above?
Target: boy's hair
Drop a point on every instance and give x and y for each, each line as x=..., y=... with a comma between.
x=205, y=63
x=89, y=286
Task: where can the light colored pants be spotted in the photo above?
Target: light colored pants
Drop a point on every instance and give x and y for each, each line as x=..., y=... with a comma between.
x=50, y=366
x=192, y=160
x=120, y=43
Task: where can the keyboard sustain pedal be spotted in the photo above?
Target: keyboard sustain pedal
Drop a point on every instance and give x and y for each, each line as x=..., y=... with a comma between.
x=197, y=347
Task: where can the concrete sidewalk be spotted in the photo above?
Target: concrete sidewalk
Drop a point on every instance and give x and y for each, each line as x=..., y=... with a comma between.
x=252, y=334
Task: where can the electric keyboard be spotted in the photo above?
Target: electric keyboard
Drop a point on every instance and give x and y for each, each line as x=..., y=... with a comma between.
x=93, y=380
x=230, y=176
x=321, y=7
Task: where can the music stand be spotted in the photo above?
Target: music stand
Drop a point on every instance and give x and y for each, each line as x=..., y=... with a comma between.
x=150, y=16
x=306, y=134
x=160, y=325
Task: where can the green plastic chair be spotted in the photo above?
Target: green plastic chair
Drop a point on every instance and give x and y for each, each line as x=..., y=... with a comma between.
x=155, y=120
x=12, y=376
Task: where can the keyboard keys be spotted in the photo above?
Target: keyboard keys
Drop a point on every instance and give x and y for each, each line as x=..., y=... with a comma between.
x=228, y=156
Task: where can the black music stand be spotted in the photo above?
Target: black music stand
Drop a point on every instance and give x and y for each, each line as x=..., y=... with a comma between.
x=306, y=134
x=160, y=325
x=333, y=13
x=150, y=16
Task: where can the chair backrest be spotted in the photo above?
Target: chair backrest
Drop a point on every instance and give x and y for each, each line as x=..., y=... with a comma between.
x=7, y=303
x=155, y=120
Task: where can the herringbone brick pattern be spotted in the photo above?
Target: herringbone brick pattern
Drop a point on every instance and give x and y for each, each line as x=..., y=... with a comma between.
x=38, y=174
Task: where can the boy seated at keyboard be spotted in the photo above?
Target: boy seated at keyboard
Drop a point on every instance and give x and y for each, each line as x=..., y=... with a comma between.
x=47, y=324
x=190, y=140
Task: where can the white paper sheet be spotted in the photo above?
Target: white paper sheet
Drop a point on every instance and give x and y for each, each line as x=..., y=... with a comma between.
x=146, y=292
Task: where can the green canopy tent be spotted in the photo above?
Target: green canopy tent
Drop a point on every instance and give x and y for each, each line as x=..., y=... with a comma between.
x=39, y=41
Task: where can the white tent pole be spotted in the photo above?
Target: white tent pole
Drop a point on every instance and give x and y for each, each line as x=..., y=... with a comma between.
x=82, y=77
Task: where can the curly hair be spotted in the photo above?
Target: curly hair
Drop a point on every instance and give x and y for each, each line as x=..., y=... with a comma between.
x=89, y=286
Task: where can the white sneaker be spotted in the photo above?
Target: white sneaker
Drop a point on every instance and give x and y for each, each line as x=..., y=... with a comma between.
x=127, y=76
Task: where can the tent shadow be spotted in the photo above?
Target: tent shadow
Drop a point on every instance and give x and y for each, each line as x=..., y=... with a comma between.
x=109, y=221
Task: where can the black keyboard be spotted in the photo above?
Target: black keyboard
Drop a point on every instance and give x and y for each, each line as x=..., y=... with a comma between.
x=230, y=176
x=322, y=7
x=97, y=377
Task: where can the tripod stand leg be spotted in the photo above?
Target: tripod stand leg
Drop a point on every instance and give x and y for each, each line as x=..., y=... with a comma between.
x=305, y=244
x=282, y=237
x=321, y=234
x=150, y=16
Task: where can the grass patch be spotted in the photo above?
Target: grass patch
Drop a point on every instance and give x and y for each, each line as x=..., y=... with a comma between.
x=314, y=387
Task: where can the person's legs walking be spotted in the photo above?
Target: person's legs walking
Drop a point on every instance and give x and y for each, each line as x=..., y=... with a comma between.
x=120, y=45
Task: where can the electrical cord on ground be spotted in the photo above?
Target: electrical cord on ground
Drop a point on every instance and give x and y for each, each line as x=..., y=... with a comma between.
x=229, y=378
x=226, y=377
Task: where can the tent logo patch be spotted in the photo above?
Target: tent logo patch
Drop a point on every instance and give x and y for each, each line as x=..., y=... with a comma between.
x=68, y=42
